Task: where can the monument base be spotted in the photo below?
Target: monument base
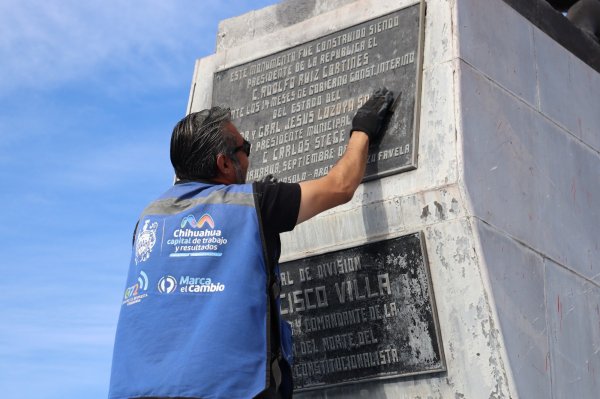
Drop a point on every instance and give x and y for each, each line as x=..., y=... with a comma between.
x=502, y=191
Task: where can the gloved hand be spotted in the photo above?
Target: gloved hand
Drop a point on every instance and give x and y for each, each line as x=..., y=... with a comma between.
x=371, y=116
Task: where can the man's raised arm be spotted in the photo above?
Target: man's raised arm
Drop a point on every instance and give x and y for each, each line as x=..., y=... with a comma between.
x=339, y=185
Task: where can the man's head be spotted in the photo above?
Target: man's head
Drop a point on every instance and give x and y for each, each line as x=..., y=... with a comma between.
x=205, y=145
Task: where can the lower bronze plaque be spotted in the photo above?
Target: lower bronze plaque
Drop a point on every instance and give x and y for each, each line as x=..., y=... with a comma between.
x=296, y=106
x=362, y=313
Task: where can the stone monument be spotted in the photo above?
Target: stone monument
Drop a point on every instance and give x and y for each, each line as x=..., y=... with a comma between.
x=466, y=265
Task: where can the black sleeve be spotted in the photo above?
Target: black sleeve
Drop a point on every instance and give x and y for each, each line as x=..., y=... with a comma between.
x=279, y=205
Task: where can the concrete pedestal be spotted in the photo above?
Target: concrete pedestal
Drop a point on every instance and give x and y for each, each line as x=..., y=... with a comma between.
x=506, y=192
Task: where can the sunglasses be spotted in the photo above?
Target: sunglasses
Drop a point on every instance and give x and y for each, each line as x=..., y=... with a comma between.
x=244, y=147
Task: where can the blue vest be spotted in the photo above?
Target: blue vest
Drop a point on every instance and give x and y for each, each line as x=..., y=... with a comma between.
x=195, y=318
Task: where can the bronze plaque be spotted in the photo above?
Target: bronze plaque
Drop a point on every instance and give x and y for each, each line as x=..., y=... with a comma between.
x=362, y=313
x=296, y=106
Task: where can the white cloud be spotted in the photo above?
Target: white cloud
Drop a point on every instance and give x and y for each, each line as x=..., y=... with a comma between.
x=48, y=43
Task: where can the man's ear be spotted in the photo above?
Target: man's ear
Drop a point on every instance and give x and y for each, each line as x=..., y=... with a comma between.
x=225, y=168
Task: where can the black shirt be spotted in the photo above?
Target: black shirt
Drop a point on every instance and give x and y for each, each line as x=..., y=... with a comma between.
x=278, y=205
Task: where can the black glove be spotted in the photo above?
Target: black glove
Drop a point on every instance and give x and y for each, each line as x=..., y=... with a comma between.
x=371, y=116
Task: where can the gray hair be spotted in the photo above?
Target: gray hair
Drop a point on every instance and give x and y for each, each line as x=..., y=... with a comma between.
x=196, y=142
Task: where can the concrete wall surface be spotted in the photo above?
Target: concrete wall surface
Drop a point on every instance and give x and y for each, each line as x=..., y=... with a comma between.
x=529, y=135
x=508, y=175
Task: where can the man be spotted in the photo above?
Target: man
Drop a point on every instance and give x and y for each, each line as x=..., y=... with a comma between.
x=200, y=315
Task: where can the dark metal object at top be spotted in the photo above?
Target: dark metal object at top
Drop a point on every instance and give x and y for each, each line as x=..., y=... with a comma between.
x=562, y=5
x=586, y=16
x=542, y=14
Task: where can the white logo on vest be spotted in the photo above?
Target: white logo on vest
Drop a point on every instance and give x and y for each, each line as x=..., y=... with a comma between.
x=135, y=293
x=199, y=285
x=145, y=242
x=196, y=237
x=167, y=285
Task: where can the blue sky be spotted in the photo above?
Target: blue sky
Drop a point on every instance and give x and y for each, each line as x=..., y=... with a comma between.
x=89, y=93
